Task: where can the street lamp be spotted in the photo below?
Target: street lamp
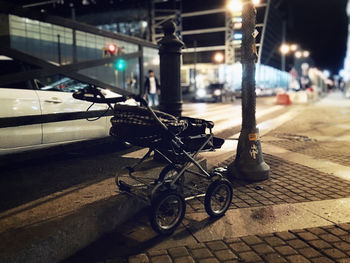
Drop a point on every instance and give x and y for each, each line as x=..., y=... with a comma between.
x=306, y=54
x=235, y=6
x=218, y=57
x=285, y=49
x=249, y=164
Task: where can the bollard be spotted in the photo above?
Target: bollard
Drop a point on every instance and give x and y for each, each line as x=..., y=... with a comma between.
x=170, y=61
x=249, y=164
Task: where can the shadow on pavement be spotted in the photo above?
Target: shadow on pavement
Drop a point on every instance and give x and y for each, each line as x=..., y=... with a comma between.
x=136, y=236
x=29, y=176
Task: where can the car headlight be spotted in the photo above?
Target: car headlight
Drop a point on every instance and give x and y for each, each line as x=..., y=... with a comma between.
x=217, y=92
x=200, y=93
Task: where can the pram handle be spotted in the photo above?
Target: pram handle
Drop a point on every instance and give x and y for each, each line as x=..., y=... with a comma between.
x=93, y=94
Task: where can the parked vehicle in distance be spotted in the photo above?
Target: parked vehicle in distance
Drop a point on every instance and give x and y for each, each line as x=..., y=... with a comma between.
x=42, y=113
x=215, y=92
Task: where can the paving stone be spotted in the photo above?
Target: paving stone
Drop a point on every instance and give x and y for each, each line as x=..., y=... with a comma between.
x=161, y=259
x=233, y=240
x=273, y=258
x=317, y=230
x=328, y=227
x=286, y=235
x=307, y=236
x=249, y=256
x=297, y=259
x=274, y=241
x=298, y=231
x=334, y=253
x=342, y=246
x=344, y=260
x=178, y=252
x=329, y=238
x=345, y=226
x=252, y=240
x=346, y=238
x=321, y=260
x=239, y=247
x=140, y=258
x=209, y=260
x=286, y=250
x=320, y=244
x=338, y=232
x=263, y=249
x=201, y=253
x=186, y=259
x=196, y=245
x=226, y=254
x=216, y=245
x=157, y=252
x=265, y=235
x=309, y=252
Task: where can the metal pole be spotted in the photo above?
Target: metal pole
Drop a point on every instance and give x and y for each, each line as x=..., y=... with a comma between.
x=74, y=35
x=249, y=164
x=195, y=65
x=283, y=57
x=59, y=49
x=170, y=62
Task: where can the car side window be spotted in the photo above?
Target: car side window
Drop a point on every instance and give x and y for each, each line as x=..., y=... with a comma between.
x=8, y=68
x=59, y=83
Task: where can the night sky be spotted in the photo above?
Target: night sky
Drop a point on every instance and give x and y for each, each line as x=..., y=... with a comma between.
x=320, y=26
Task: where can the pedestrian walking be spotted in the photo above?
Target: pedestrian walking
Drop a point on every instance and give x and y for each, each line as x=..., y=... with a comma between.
x=152, y=88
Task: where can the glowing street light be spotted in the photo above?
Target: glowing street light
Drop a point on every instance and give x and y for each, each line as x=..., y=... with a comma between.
x=294, y=47
x=256, y=2
x=298, y=54
x=306, y=54
x=284, y=49
x=235, y=6
x=218, y=57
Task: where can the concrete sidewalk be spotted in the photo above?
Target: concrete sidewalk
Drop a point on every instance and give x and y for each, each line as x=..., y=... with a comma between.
x=302, y=193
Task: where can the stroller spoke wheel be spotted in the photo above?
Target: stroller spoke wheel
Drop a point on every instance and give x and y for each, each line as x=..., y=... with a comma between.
x=218, y=198
x=168, y=210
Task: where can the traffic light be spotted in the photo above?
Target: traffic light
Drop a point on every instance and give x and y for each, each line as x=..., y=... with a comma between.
x=112, y=49
x=120, y=64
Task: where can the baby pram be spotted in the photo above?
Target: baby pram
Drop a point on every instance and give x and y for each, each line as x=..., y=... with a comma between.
x=177, y=141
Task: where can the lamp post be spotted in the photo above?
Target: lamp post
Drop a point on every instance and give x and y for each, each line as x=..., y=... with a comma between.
x=249, y=164
x=218, y=59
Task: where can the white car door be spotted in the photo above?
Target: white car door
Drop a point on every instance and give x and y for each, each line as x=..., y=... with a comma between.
x=20, y=112
x=64, y=118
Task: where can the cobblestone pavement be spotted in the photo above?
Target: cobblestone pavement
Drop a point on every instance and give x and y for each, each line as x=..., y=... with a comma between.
x=289, y=183
x=318, y=245
x=321, y=133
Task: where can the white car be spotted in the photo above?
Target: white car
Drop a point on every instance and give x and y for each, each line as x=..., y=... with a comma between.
x=36, y=114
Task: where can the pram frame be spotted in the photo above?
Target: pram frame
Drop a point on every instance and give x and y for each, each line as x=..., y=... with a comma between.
x=161, y=185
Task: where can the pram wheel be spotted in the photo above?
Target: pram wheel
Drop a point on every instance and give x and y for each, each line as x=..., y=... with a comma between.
x=218, y=198
x=168, y=174
x=168, y=210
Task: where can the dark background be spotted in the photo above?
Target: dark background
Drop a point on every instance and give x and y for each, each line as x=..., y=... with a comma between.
x=319, y=26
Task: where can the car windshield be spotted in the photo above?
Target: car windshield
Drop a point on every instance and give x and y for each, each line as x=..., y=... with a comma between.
x=60, y=83
x=216, y=86
x=64, y=84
